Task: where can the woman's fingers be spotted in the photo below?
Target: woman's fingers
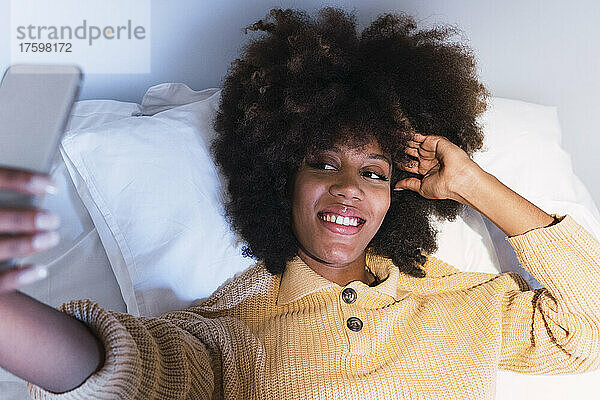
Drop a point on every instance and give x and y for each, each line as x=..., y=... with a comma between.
x=425, y=160
x=427, y=143
x=419, y=137
x=17, y=277
x=12, y=246
x=410, y=166
x=15, y=220
x=414, y=144
x=413, y=184
x=423, y=148
x=26, y=230
x=412, y=151
x=25, y=181
x=426, y=146
x=438, y=160
x=420, y=168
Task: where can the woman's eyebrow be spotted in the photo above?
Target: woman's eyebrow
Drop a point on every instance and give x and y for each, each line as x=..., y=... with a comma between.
x=380, y=157
x=373, y=156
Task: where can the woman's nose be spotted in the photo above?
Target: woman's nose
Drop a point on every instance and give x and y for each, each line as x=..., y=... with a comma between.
x=347, y=187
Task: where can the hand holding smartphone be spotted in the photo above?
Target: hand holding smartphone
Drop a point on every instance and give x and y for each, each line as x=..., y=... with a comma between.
x=35, y=105
x=26, y=231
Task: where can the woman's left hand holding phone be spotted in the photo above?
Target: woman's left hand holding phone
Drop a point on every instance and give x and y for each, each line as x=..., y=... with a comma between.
x=25, y=231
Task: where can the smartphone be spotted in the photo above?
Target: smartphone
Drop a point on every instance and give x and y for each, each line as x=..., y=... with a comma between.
x=35, y=106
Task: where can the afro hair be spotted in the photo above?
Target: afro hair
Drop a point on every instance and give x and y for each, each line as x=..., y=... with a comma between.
x=308, y=84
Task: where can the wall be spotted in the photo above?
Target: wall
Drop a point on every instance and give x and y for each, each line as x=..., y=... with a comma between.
x=540, y=51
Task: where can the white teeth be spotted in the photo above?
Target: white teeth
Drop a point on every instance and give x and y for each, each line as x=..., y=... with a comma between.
x=347, y=221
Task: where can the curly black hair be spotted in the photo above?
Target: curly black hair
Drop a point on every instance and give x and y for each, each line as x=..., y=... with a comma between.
x=308, y=84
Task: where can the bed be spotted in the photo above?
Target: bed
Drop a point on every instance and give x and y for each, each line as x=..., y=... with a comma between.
x=143, y=232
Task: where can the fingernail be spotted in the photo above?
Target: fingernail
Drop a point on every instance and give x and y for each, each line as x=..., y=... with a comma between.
x=45, y=240
x=47, y=221
x=31, y=275
x=39, y=184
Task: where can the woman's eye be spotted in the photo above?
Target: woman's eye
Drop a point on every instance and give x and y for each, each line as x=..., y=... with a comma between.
x=321, y=165
x=375, y=175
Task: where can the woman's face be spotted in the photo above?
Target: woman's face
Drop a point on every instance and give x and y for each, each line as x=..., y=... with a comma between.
x=340, y=198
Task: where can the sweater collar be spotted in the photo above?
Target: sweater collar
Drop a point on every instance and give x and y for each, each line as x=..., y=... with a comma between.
x=299, y=280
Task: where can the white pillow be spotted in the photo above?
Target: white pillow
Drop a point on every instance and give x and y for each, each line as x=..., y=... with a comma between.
x=78, y=266
x=170, y=95
x=522, y=149
x=465, y=243
x=154, y=195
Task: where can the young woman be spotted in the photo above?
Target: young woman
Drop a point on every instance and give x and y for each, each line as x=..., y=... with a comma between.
x=331, y=184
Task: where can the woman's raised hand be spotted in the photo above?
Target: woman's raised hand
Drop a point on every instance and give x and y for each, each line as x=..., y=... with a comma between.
x=25, y=230
x=445, y=166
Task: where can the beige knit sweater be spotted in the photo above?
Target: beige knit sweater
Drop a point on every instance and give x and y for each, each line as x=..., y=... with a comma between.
x=299, y=335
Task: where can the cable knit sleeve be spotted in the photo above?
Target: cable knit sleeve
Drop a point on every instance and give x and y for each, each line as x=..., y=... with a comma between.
x=146, y=358
x=554, y=329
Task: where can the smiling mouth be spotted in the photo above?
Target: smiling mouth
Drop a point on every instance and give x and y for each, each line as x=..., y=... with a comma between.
x=346, y=225
x=343, y=225
x=340, y=219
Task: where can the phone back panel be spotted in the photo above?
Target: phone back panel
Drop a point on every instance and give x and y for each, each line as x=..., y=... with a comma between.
x=35, y=105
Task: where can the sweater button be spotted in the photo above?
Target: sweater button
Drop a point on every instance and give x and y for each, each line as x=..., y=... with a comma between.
x=354, y=324
x=349, y=295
